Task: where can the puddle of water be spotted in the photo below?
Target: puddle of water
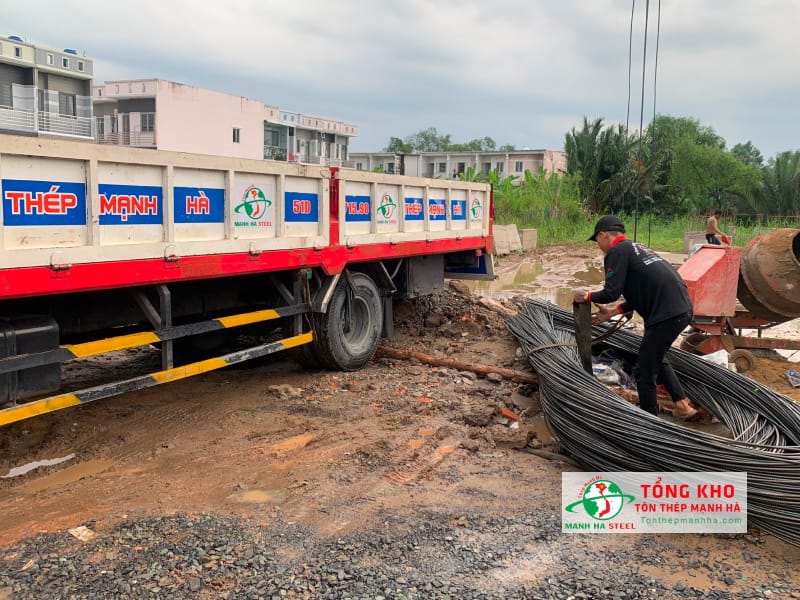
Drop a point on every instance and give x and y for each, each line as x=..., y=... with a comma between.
x=70, y=474
x=539, y=426
x=17, y=471
x=529, y=278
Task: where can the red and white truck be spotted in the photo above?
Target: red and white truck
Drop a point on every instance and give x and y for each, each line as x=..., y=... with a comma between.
x=106, y=249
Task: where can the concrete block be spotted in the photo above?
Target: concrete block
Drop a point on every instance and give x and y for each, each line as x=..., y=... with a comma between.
x=506, y=239
x=690, y=238
x=501, y=247
x=530, y=238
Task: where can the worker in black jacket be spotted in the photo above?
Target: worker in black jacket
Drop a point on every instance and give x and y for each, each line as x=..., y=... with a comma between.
x=653, y=288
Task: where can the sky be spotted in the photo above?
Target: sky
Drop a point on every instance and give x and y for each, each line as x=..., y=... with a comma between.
x=523, y=72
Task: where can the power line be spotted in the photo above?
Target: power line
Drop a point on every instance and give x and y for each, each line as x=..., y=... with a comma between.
x=653, y=140
x=630, y=50
x=641, y=118
x=655, y=69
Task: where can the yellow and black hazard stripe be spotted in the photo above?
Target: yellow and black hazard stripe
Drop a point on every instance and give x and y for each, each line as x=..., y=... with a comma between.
x=53, y=403
x=134, y=340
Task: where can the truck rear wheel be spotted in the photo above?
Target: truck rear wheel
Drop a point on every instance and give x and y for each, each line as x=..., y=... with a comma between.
x=347, y=335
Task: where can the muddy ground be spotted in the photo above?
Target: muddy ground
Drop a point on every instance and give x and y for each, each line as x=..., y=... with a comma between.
x=333, y=451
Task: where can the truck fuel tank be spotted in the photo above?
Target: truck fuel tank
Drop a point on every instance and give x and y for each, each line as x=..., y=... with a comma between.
x=769, y=275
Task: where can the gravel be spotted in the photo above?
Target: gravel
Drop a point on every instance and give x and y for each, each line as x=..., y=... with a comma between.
x=439, y=556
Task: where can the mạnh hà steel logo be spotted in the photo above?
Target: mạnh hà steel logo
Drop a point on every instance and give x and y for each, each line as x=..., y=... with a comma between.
x=254, y=203
x=601, y=499
x=387, y=209
x=476, y=209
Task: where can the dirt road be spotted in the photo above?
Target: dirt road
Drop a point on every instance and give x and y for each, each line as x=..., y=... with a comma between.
x=333, y=451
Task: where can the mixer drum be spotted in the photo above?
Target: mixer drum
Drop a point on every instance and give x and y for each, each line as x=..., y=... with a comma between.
x=769, y=275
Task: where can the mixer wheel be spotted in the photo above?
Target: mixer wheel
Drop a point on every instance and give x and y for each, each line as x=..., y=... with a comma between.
x=743, y=359
x=692, y=342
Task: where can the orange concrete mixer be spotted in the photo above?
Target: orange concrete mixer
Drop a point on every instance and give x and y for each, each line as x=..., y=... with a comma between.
x=734, y=290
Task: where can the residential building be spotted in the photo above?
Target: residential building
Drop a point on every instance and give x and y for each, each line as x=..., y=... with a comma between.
x=154, y=113
x=44, y=91
x=444, y=165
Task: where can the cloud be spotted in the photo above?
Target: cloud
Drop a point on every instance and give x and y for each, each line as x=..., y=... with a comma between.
x=521, y=72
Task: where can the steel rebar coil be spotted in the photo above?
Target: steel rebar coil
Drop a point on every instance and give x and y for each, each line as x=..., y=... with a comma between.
x=605, y=432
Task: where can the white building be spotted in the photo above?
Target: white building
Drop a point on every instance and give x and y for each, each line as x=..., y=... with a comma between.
x=44, y=91
x=444, y=165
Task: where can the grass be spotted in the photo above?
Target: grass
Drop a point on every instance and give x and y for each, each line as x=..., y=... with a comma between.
x=552, y=205
x=658, y=233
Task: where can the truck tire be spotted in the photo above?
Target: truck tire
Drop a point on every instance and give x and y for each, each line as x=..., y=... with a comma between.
x=307, y=356
x=347, y=334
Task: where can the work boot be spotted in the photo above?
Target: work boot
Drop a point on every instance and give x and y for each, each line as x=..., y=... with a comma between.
x=684, y=410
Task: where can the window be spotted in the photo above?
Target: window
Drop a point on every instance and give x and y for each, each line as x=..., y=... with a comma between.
x=66, y=104
x=442, y=167
x=148, y=122
x=500, y=167
x=359, y=166
x=518, y=166
x=50, y=59
x=235, y=135
x=390, y=168
x=65, y=62
x=6, y=99
x=80, y=65
x=17, y=52
x=101, y=127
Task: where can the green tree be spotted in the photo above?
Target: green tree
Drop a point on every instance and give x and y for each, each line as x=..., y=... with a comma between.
x=472, y=174
x=748, y=154
x=429, y=140
x=507, y=148
x=670, y=129
x=778, y=193
x=398, y=146
x=601, y=158
x=704, y=176
x=694, y=171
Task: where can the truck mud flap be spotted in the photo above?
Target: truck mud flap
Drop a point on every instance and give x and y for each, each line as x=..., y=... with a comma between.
x=53, y=403
x=481, y=268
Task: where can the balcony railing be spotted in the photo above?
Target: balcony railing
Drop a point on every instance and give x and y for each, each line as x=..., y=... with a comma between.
x=324, y=161
x=65, y=124
x=17, y=119
x=138, y=139
x=275, y=153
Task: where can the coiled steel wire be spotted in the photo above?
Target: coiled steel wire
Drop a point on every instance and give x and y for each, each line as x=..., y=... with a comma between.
x=605, y=432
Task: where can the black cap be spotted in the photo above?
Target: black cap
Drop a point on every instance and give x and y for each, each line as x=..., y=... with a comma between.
x=607, y=223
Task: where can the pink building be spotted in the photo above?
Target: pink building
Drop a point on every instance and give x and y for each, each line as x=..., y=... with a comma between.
x=153, y=113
